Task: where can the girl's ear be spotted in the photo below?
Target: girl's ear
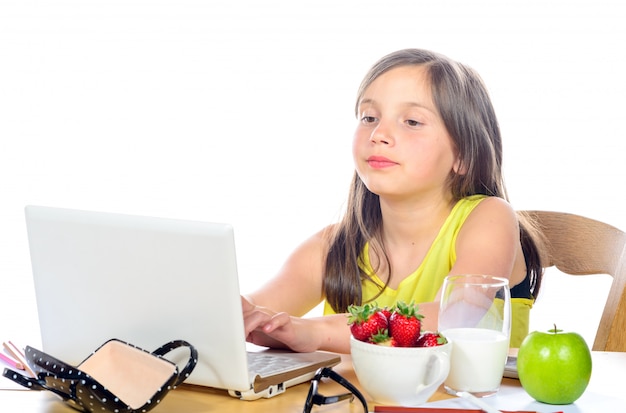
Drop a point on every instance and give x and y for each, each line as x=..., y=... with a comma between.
x=459, y=167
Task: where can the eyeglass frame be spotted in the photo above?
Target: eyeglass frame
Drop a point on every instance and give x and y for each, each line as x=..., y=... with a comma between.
x=315, y=398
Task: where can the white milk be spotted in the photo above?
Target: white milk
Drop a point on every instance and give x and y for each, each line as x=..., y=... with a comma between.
x=477, y=360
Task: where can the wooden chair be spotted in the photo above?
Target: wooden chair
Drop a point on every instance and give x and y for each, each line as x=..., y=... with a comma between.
x=581, y=246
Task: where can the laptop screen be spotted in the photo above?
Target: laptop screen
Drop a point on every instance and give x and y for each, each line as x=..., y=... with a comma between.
x=142, y=280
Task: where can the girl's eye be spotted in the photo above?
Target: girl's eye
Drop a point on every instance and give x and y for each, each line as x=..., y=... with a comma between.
x=412, y=122
x=368, y=119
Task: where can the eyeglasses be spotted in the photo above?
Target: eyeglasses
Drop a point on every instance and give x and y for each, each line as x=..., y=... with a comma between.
x=314, y=398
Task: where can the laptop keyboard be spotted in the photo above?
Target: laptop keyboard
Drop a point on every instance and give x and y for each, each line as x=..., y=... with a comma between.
x=269, y=364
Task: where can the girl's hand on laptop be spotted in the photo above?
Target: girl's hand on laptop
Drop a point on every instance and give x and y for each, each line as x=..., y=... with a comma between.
x=268, y=328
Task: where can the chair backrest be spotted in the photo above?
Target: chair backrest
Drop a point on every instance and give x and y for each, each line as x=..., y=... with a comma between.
x=578, y=245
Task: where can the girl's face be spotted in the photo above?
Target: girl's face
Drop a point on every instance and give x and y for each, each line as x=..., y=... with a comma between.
x=401, y=147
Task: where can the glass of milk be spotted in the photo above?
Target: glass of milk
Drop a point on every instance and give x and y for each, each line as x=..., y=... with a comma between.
x=475, y=316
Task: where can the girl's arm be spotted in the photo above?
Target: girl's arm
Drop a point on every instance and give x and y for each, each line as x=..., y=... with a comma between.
x=273, y=314
x=297, y=287
x=489, y=243
x=280, y=330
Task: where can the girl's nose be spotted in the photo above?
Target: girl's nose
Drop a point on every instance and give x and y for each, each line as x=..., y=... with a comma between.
x=382, y=134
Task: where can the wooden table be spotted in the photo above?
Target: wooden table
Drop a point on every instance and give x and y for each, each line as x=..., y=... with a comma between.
x=604, y=394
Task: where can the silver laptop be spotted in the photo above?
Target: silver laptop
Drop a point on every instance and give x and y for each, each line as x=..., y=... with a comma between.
x=147, y=281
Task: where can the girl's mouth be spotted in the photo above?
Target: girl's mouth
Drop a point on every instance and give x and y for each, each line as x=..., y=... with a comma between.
x=380, y=162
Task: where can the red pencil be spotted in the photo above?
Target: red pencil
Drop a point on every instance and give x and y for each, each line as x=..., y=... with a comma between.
x=11, y=362
x=17, y=354
x=399, y=409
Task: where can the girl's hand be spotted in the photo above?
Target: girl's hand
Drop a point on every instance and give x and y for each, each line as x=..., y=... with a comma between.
x=268, y=328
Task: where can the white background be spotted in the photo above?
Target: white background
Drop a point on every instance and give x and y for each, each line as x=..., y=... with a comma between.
x=242, y=111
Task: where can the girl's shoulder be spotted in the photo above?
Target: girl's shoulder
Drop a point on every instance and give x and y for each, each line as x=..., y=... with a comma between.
x=328, y=232
x=489, y=210
x=477, y=205
x=483, y=199
x=493, y=203
x=324, y=237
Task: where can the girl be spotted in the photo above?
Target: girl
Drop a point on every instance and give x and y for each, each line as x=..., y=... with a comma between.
x=427, y=200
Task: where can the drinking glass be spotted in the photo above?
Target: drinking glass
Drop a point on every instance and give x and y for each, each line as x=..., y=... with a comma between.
x=475, y=316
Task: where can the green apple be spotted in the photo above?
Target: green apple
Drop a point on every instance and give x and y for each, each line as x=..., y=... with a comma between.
x=554, y=367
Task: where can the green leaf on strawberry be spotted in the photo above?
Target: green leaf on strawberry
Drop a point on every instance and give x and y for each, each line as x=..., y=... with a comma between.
x=382, y=338
x=366, y=321
x=430, y=339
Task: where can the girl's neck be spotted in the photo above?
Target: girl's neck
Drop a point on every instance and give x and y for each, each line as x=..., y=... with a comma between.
x=409, y=223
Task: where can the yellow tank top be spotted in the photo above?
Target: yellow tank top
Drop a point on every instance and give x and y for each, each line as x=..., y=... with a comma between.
x=424, y=283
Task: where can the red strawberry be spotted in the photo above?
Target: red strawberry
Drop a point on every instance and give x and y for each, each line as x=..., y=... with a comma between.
x=430, y=339
x=366, y=321
x=405, y=324
x=387, y=312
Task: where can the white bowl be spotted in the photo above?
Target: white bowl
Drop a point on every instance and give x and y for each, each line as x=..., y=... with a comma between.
x=405, y=376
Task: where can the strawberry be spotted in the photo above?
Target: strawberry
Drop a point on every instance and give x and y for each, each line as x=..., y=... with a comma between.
x=405, y=324
x=366, y=321
x=387, y=311
x=430, y=339
x=383, y=339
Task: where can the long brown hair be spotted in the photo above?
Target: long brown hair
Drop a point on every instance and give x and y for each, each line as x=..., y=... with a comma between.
x=465, y=107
